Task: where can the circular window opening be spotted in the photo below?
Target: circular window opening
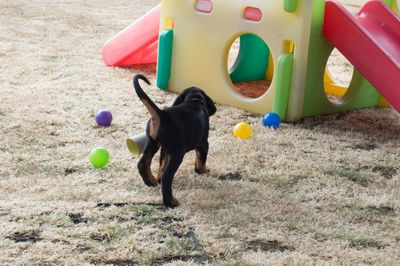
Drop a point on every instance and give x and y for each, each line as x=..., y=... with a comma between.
x=250, y=66
x=338, y=75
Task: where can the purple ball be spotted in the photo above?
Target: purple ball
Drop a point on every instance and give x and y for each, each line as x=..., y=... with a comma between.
x=104, y=118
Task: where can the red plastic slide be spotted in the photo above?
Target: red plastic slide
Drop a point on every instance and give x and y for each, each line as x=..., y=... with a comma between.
x=136, y=44
x=370, y=40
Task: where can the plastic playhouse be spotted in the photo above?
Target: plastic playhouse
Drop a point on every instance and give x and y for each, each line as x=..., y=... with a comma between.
x=285, y=41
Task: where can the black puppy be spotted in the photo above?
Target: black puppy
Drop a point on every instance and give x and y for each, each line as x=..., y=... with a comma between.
x=178, y=129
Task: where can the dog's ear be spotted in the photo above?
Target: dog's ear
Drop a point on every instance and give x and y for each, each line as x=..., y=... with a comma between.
x=210, y=105
x=180, y=98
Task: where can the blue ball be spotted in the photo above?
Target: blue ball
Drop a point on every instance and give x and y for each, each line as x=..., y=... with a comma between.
x=271, y=120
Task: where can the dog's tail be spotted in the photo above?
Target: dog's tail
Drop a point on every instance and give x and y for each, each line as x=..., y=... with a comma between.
x=150, y=105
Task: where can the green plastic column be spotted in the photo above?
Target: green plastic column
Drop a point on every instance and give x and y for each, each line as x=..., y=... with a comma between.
x=283, y=84
x=252, y=60
x=164, y=58
x=290, y=5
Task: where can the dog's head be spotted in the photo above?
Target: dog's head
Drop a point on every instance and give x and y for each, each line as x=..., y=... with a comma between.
x=194, y=94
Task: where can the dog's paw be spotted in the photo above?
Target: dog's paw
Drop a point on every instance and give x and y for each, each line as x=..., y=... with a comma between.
x=201, y=170
x=172, y=204
x=150, y=182
x=145, y=173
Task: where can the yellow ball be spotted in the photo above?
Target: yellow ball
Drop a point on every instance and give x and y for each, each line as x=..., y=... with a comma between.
x=242, y=130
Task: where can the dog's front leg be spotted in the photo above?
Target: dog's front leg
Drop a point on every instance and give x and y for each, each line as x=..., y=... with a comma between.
x=201, y=158
x=144, y=164
x=168, y=176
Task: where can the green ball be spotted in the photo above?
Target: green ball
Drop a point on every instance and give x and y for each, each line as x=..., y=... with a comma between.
x=99, y=157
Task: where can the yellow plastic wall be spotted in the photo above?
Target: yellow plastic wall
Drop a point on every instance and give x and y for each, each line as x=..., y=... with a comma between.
x=202, y=42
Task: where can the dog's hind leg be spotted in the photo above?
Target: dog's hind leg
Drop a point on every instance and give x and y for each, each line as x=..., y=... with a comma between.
x=168, y=176
x=164, y=158
x=201, y=158
x=144, y=164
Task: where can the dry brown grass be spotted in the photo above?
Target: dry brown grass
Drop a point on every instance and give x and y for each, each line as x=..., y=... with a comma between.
x=322, y=191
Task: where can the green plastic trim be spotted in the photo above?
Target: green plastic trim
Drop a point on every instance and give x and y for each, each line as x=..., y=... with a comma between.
x=252, y=61
x=388, y=2
x=290, y=6
x=360, y=94
x=283, y=84
x=164, y=60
